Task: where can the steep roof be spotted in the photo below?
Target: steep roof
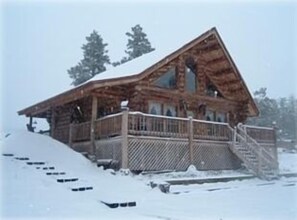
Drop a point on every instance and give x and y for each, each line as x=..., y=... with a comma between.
x=222, y=68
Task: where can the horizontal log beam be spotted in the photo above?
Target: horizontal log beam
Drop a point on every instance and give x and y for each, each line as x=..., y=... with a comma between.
x=223, y=71
x=216, y=61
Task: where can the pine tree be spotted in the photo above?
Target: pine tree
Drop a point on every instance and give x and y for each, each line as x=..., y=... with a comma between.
x=78, y=74
x=138, y=44
x=94, y=61
x=282, y=113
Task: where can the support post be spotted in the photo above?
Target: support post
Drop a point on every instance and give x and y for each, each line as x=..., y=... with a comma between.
x=70, y=134
x=234, y=136
x=92, y=125
x=191, y=137
x=125, y=161
x=53, y=122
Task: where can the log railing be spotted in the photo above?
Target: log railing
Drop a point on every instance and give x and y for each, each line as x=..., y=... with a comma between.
x=260, y=134
x=61, y=133
x=81, y=132
x=151, y=125
x=108, y=126
x=156, y=125
x=211, y=130
x=142, y=124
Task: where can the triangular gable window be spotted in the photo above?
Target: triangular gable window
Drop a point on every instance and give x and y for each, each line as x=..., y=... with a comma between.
x=167, y=80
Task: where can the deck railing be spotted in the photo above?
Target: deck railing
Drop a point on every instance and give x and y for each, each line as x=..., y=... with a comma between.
x=141, y=124
x=156, y=125
x=260, y=134
x=81, y=132
x=61, y=133
x=211, y=130
x=108, y=126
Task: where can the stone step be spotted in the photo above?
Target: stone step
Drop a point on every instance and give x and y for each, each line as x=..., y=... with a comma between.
x=55, y=173
x=7, y=155
x=21, y=158
x=67, y=180
x=82, y=189
x=35, y=163
x=119, y=204
x=48, y=168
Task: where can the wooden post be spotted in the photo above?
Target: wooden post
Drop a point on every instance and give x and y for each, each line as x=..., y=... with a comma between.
x=125, y=139
x=92, y=125
x=191, y=137
x=31, y=122
x=234, y=136
x=70, y=135
x=53, y=122
x=275, y=146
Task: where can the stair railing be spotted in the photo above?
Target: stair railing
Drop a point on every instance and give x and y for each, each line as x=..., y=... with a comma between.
x=265, y=158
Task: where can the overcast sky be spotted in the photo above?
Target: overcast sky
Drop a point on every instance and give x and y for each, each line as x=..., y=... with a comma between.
x=41, y=40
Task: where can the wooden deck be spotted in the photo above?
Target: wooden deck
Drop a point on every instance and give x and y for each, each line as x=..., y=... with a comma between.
x=140, y=141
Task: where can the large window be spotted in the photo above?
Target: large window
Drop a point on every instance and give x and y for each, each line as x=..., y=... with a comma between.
x=191, y=77
x=169, y=110
x=154, y=108
x=209, y=116
x=221, y=117
x=168, y=79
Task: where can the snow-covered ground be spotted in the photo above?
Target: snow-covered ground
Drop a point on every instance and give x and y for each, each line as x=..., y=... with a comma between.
x=27, y=191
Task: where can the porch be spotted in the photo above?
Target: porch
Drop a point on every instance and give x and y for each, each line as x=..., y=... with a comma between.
x=140, y=141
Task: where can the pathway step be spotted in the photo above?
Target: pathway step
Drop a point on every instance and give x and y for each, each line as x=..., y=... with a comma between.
x=48, y=168
x=55, y=173
x=82, y=188
x=67, y=180
x=36, y=163
x=8, y=155
x=119, y=204
x=21, y=158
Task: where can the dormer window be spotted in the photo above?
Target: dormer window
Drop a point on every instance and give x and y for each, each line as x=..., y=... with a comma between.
x=168, y=79
x=191, y=77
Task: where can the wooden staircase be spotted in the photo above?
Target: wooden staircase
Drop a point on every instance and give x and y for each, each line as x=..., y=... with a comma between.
x=256, y=158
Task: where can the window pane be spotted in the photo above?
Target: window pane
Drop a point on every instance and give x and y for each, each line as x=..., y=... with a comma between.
x=167, y=80
x=221, y=117
x=209, y=115
x=170, y=110
x=155, y=108
x=190, y=80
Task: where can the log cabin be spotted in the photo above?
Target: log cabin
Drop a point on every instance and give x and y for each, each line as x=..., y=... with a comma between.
x=165, y=111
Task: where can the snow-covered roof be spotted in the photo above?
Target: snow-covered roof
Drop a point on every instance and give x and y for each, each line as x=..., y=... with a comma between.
x=132, y=67
x=135, y=70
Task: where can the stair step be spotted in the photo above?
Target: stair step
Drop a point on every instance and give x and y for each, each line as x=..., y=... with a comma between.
x=36, y=163
x=82, y=189
x=67, y=180
x=21, y=158
x=118, y=204
x=55, y=173
x=7, y=155
x=48, y=168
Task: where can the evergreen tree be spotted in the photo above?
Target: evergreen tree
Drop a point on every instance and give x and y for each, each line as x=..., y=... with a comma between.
x=268, y=109
x=94, y=60
x=138, y=44
x=281, y=112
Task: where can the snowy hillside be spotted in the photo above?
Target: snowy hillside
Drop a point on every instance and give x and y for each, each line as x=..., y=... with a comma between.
x=38, y=190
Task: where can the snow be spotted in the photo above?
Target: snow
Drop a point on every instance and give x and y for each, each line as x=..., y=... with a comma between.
x=132, y=67
x=139, y=64
x=28, y=192
x=287, y=161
